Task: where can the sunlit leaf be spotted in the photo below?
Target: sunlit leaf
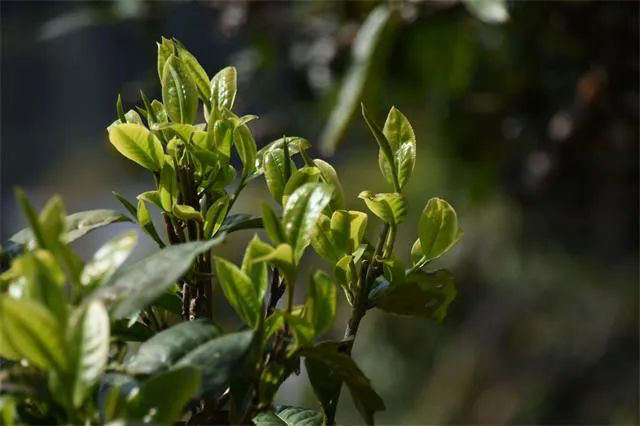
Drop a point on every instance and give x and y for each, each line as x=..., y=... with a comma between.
x=179, y=92
x=390, y=207
x=438, y=228
x=137, y=144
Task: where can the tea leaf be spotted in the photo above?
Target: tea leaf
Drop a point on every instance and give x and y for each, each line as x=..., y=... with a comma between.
x=327, y=366
x=320, y=306
x=179, y=93
x=137, y=144
x=288, y=416
x=218, y=358
x=329, y=176
x=272, y=225
x=421, y=294
x=390, y=207
x=223, y=88
x=301, y=213
x=186, y=212
x=386, y=150
x=197, y=74
x=89, y=341
x=168, y=187
x=257, y=271
x=246, y=147
x=33, y=332
x=167, y=347
x=136, y=286
x=299, y=178
x=108, y=259
x=215, y=216
x=239, y=291
x=438, y=228
x=162, y=398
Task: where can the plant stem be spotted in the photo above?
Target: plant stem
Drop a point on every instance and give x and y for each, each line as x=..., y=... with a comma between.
x=358, y=311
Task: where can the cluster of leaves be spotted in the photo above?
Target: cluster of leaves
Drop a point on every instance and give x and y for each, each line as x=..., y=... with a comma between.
x=98, y=342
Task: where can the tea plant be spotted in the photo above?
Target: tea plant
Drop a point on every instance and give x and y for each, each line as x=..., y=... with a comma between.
x=96, y=342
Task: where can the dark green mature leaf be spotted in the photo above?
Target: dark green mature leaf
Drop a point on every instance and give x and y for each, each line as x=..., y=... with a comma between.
x=327, y=365
x=30, y=330
x=217, y=359
x=137, y=144
x=89, y=342
x=320, y=306
x=240, y=221
x=301, y=213
x=179, y=92
x=77, y=225
x=167, y=347
x=162, y=398
x=367, y=49
x=239, y=291
x=438, y=228
x=421, y=294
x=390, y=207
x=288, y=416
x=136, y=286
x=223, y=88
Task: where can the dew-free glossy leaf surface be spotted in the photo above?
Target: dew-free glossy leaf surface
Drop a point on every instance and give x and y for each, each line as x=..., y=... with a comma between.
x=438, y=228
x=137, y=144
x=167, y=347
x=136, y=286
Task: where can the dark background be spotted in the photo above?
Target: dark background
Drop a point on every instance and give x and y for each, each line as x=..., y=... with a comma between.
x=528, y=127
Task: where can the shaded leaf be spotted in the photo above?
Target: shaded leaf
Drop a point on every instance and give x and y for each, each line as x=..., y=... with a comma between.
x=320, y=306
x=108, y=258
x=136, y=286
x=167, y=347
x=162, y=398
x=421, y=294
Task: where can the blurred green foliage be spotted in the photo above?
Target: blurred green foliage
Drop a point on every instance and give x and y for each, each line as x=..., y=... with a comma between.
x=529, y=127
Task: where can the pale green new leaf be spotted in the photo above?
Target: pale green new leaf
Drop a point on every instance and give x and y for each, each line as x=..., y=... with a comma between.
x=257, y=271
x=385, y=148
x=168, y=187
x=179, y=92
x=297, y=179
x=223, y=88
x=329, y=176
x=247, y=149
x=438, y=228
x=390, y=207
x=301, y=214
x=239, y=291
x=186, y=212
x=197, y=74
x=33, y=332
x=272, y=225
x=137, y=144
x=320, y=306
x=215, y=216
